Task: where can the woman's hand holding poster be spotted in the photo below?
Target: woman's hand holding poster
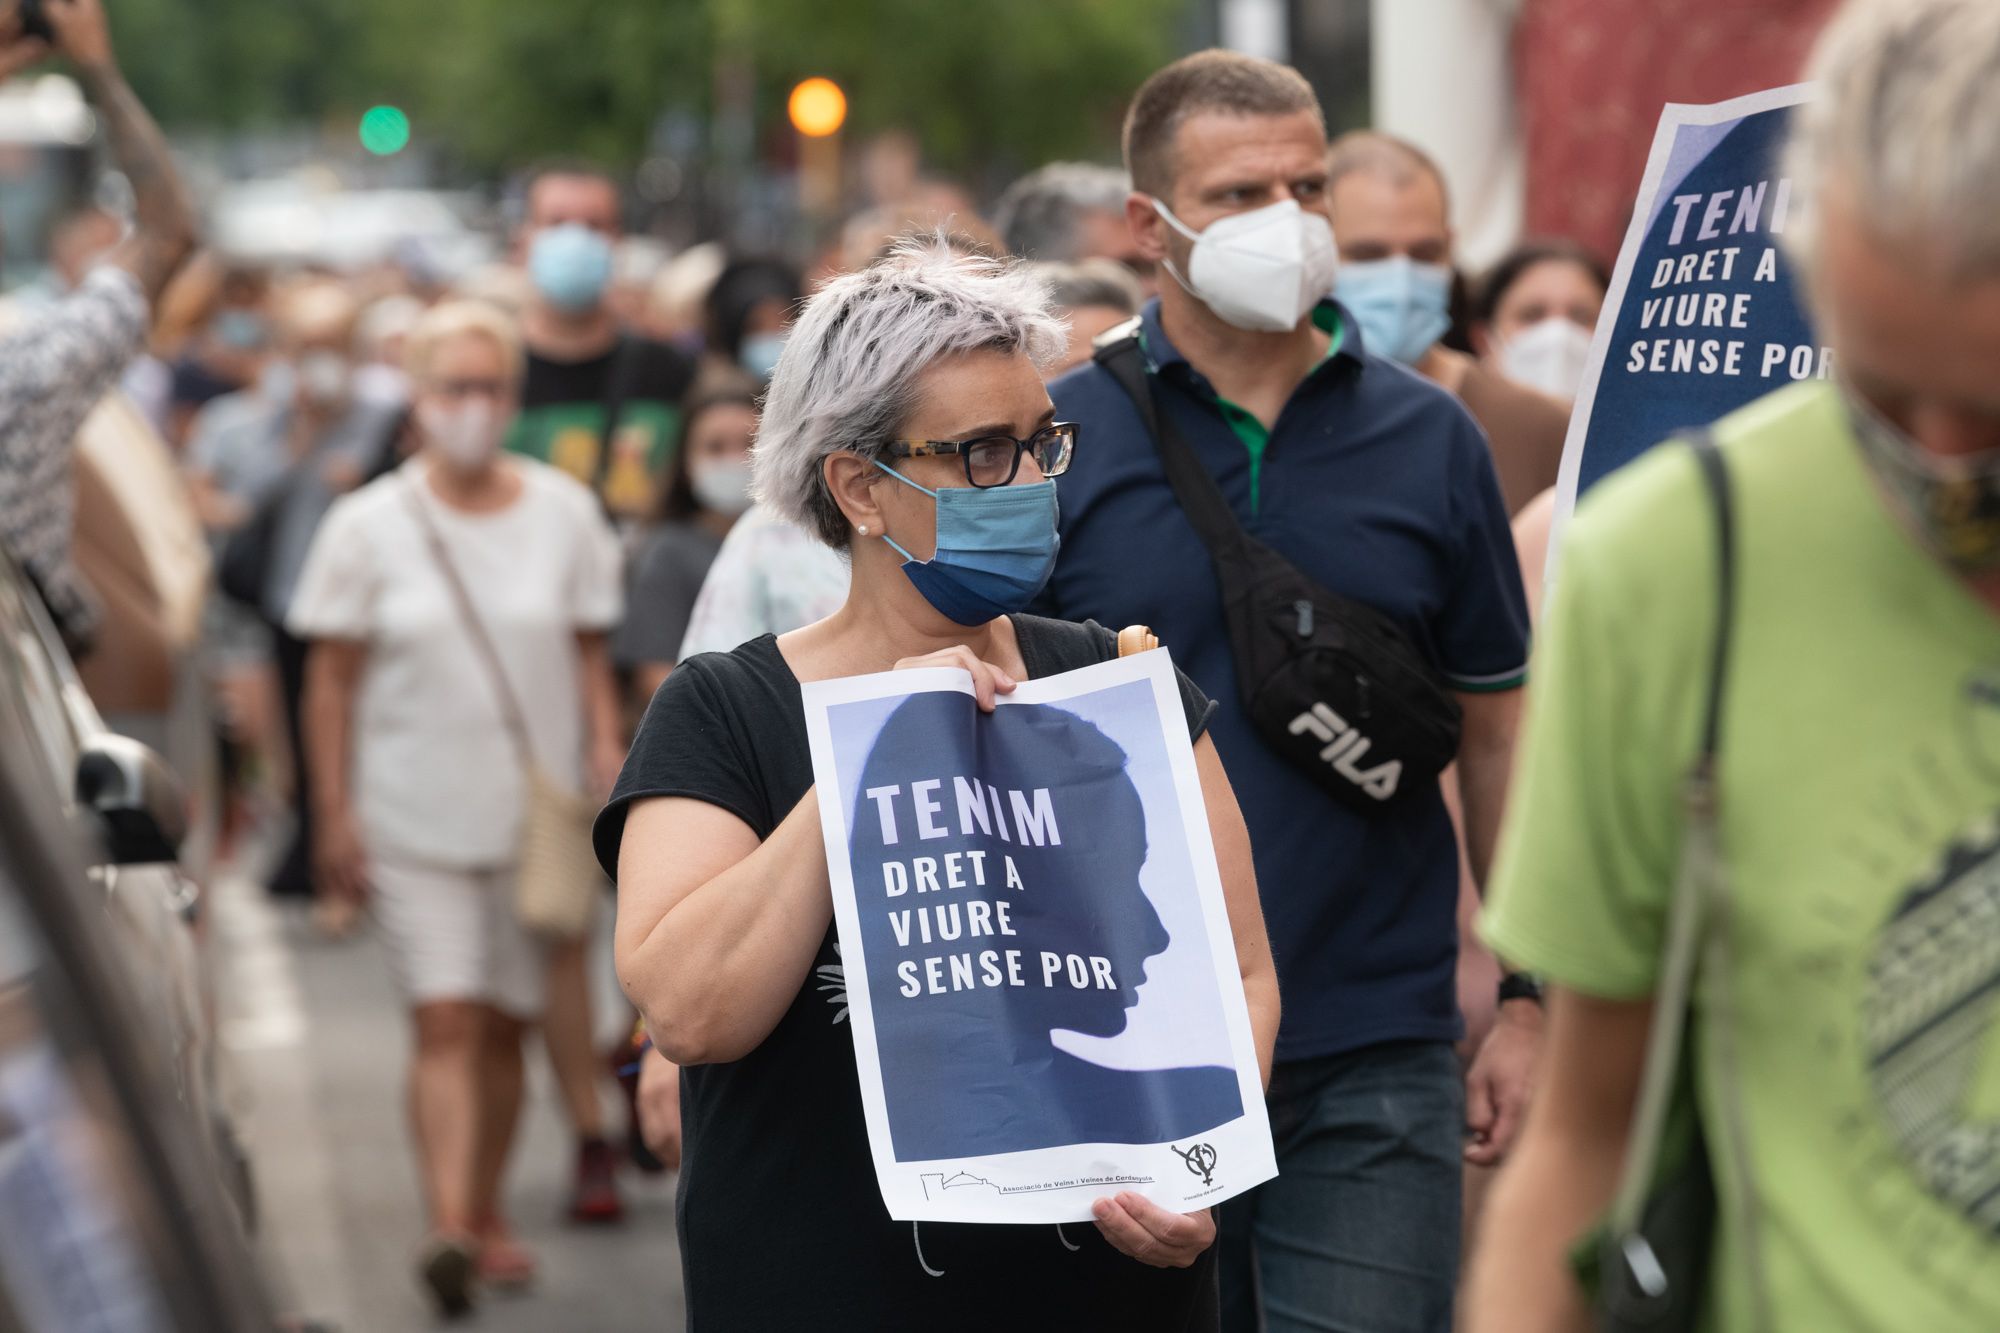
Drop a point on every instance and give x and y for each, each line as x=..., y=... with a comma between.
x=1039, y=969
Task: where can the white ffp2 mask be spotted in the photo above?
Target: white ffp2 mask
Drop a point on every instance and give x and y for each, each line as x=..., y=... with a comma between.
x=1261, y=271
x=723, y=486
x=467, y=436
x=1549, y=355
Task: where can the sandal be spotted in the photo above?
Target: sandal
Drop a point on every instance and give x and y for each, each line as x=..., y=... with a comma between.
x=447, y=1270
x=504, y=1263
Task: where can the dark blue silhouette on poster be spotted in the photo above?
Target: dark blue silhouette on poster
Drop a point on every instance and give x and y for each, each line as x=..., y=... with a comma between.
x=1633, y=410
x=964, y=993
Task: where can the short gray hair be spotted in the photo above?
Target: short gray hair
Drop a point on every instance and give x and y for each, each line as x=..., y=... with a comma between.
x=1093, y=282
x=1906, y=119
x=1038, y=215
x=847, y=379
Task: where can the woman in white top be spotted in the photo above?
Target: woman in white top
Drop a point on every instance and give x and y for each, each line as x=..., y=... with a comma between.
x=414, y=761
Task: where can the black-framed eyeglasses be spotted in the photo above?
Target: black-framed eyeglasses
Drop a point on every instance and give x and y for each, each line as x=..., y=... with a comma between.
x=993, y=460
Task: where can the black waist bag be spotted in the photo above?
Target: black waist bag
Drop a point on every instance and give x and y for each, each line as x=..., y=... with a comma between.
x=1334, y=686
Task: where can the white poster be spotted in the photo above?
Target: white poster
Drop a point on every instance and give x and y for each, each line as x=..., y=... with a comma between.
x=1038, y=960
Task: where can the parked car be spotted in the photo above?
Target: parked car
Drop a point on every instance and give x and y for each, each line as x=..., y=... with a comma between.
x=124, y=1199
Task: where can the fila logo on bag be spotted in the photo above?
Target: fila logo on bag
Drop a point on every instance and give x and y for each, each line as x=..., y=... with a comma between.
x=1345, y=748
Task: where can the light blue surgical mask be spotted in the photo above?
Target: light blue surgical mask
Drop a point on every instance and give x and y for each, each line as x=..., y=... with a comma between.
x=242, y=330
x=570, y=266
x=996, y=548
x=759, y=354
x=1403, y=307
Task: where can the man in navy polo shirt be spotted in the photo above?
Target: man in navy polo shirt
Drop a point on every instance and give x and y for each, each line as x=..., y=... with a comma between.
x=1376, y=483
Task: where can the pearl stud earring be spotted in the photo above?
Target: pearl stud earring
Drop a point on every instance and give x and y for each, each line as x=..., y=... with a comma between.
x=863, y=529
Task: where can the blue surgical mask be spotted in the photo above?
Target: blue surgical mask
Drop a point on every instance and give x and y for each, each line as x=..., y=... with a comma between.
x=759, y=354
x=242, y=330
x=1403, y=307
x=570, y=266
x=995, y=549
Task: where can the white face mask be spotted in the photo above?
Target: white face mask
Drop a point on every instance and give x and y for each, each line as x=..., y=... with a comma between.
x=723, y=487
x=1262, y=271
x=466, y=437
x=323, y=377
x=386, y=386
x=1550, y=355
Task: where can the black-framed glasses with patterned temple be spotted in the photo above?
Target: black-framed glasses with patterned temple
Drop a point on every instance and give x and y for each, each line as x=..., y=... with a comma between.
x=994, y=460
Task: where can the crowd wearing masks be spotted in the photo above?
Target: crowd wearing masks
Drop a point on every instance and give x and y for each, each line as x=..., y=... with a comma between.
x=566, y=539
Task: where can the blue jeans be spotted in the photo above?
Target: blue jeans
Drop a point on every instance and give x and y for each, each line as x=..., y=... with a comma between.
x=1359, y=1233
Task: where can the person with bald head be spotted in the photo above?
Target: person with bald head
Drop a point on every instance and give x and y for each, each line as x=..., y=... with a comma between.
x=266, y=463
x=1392, y=222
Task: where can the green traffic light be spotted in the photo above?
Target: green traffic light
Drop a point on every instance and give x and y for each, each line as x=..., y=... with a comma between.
x=385, y=130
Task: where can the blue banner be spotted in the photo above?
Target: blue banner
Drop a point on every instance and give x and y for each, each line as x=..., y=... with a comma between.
x=1702, y=316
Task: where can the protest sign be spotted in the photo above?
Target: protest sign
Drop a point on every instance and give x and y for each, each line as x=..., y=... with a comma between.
x=1037, y=956
x=1702, y=316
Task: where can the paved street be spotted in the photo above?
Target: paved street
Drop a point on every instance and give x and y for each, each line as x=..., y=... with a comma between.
x=317, y=1045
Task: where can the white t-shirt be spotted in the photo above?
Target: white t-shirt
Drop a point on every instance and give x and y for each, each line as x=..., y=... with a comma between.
x=436, y=775
x=770, y=577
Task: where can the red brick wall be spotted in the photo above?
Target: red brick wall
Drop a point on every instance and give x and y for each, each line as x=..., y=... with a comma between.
x=1592, y=76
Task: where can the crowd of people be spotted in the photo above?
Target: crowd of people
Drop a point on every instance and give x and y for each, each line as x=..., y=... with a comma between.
x=572, y=532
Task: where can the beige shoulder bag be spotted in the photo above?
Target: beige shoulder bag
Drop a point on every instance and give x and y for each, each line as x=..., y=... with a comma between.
x=558, y=880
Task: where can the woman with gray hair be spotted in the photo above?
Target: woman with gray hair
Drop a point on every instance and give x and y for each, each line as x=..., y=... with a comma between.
x=907, y=427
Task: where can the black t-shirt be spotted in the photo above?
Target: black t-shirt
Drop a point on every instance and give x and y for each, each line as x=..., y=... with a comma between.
x=662, y=582
x=562, y=419
x=782, y=1225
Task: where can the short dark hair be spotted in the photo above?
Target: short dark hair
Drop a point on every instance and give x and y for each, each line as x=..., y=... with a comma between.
x=1223, y=81
x=1374, y=153
x=742, y=286
x=1493, y=288
x=571, y=167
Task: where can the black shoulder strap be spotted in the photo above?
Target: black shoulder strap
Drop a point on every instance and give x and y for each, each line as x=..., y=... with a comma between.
x=1651, y=1217
x=1715, y=474
x=618, y=389
x=1200, y=498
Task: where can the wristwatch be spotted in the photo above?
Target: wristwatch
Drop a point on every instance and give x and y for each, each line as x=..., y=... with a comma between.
x=1520, y=986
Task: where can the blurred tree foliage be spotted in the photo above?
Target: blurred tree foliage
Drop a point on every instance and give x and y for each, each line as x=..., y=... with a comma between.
x=227, y=63
x=496, y=82
x=1024, y=79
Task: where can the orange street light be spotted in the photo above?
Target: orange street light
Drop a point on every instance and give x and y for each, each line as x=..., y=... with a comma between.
x=818, y=108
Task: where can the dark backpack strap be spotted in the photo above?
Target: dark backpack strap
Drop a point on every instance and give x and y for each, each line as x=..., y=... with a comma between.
x=1200, y=498
x=1661, y=1221
x=1715, y=475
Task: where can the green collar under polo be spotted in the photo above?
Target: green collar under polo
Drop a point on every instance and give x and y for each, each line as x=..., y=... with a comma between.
x=1256, y=437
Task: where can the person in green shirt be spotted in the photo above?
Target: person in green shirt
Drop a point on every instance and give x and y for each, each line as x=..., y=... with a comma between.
x=1850, y=1090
